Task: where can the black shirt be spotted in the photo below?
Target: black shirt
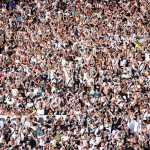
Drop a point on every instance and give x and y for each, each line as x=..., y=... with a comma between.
x=77, y=136
x=7, y=133
x=65, y=127
x=46, y=111
x=25, y=137
x=32, y=143
x=77, y=82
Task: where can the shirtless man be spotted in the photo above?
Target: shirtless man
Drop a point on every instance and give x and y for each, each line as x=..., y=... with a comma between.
x=87, y=58
x=28, y=120
x=106, y=88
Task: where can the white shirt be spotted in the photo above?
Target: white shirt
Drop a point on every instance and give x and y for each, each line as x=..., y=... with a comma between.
x=135, y=126
x=122, y=62
x=147, y=56
x=83, y=130
x=63, y=62
x=85, y=77
x=139, y=127
x=14, y=92
x=103, y=148
x=131, y=126
x=35, y=91
x=1, y=138
x=47, y=15
x=64, y=138
x=115, y=133
x=148, y=128
x=29, y=104
x=9, y=100
x=17, y=138
x=40, y=112
x=79, y=59
x=93, y=142
x=98, y=139
x=69, y=81
x=33, y=59
x=41, y=142
x=79, y=147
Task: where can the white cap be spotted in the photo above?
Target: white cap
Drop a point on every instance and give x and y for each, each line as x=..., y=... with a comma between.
x=124, y=97
x=17, y=61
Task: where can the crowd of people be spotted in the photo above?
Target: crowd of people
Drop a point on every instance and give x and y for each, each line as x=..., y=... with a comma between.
x=84, y=65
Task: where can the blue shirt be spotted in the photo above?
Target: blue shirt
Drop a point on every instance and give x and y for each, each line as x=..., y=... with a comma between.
x=97, y=95
x=38, y=132
x=42, y=85
x=40, y=92
x=11, y=4
x=19, y=19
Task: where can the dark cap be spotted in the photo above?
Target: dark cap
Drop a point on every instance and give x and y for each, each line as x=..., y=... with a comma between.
x=84, y=147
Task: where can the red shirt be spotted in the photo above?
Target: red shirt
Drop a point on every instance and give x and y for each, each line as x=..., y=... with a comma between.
x=1, y=75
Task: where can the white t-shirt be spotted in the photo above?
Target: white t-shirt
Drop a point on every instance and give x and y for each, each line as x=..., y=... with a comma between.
x=98, y=139
x=147, y=56
x=63, y=62
x=101, y=127
x=69, y=81
x=79, y=59
x=52, y=74
x=40, y=112
x=9, y=100
x=148, y=128
x=35, y=91
x=14, y=92
x=29, y=104
x=115, y=133
x=103, y=148
x=93, y=142
x=16, y=137
x=122, y=62
x=42, y=142
x=135, y=126
x=47, y=15
x=80, y=147
x=33, y=59
x=83, y=130
x=64, y=138
x=131, y=126
x=85, y=76
x=1, y=138
x=139, y=127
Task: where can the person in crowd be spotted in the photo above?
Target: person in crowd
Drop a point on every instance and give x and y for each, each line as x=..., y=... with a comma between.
x=75, y=75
